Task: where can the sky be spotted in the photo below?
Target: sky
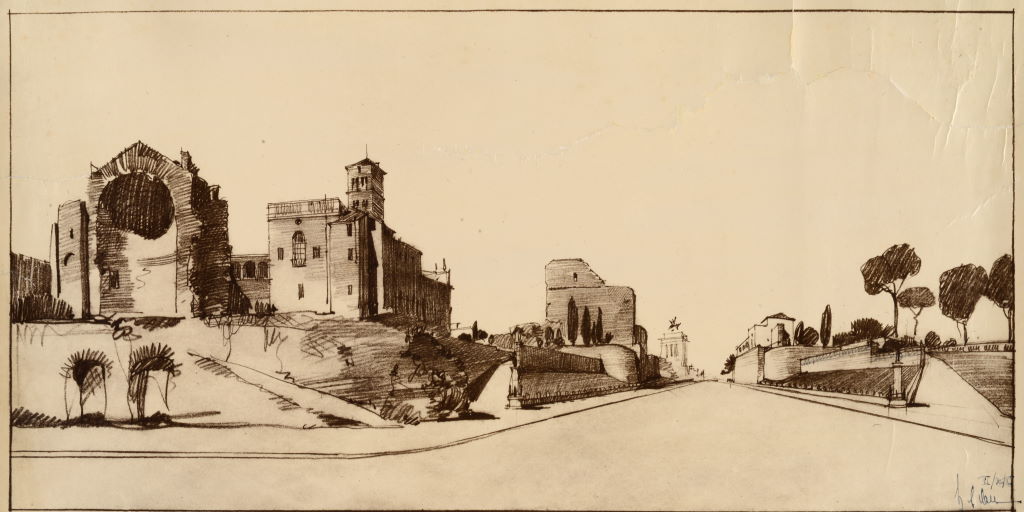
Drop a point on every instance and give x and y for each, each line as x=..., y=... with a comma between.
x=726, y=167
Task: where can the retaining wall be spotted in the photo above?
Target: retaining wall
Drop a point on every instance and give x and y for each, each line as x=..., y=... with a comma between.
x=783, y=362
x=866, y=356
x=749, y=367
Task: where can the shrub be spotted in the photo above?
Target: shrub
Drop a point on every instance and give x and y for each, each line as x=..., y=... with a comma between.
x=22, y=417
x=932, y=340
x=31, y=308
x=465, y=337
x=264, y=308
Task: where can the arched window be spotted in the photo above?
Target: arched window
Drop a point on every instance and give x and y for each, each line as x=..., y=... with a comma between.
x=67, y=258
x=235, y=272
x=262, y=270
x=298, y=249
x=249, y=270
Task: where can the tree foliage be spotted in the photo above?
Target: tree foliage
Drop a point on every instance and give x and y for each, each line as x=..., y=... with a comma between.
x=1000, y=289
x=586, y=327
x=916, y=299
x=960, y=288
x=826, y=326
x=89, y=369
x=808, y=337
x=730, y=364
x=887, y=273
x=572, y=322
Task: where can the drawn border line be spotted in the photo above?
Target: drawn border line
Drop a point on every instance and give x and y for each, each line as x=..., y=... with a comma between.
x=10, y=122
x=115, y=454
x=510, y=10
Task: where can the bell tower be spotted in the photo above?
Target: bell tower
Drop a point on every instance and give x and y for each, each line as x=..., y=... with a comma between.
x=366, y=187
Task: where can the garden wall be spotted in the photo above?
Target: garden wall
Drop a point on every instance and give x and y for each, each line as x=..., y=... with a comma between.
x=749, y=367
x=865, y=356
x=782, y=362
x=533, y=359
x=619, y=362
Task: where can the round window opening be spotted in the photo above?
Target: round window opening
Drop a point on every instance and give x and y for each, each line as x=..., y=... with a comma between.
x=298, y=221
x=139, y=204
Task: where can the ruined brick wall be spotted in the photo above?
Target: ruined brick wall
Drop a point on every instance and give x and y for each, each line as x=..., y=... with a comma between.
x=72, y=257
x=128, y=197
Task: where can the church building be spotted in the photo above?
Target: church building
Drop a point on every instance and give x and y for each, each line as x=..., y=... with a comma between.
x=334, y=257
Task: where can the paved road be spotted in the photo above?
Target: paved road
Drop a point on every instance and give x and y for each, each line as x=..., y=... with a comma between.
x=708, y=446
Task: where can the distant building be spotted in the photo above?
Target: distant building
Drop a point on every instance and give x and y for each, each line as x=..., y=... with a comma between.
x=332, y=258
x=773, y=331
x=673, y=350
x=567, y=279
x=252, y=274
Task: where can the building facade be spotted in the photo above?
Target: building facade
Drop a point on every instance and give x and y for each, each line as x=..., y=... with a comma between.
x=252, y=274
x=773, y=331
x=334, y=258
x=573, y=279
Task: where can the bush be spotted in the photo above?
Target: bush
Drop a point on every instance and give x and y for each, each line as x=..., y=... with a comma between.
x=465, y=337
x=31, y=308
x=932, y=340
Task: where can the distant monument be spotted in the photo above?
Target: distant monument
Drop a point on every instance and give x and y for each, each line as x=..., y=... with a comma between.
x=673, y=348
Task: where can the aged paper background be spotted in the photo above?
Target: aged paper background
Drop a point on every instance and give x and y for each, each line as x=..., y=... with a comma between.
x=725, y=165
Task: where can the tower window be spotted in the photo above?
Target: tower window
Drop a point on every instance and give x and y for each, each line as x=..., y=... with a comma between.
x=351, y=254
x=115, y=279
x=316, y=252
x=298, y=249
x=280, y=253
x=302, y=291
x=349, y=228
x=350, y=289
x=71, y=233
x=574, y=277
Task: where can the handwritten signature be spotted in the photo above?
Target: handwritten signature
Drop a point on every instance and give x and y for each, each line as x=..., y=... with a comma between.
x=988, y=490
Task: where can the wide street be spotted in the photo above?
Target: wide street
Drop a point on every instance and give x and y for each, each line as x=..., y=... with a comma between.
x=706, y=446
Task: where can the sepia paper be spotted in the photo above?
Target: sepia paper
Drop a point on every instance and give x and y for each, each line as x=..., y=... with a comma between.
x=673, y=256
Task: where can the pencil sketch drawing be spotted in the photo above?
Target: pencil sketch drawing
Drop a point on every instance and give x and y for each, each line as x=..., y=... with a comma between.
x=321, y=257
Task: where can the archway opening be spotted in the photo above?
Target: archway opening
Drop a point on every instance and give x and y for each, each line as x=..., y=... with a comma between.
x=139, y=204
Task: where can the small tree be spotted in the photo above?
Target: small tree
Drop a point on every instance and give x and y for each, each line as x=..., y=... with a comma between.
x=572, y=321
x=869, y=329
x=916, y=299
x=598, y=336
x=932, y=340
x=89, y=370
x=730, y=364
x=588, y=329
x=960, y=288
x=888, y=272
x=474, y=330
x=808, y=337
x=141, y=363
x=1000, y=289
x=826, y=326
